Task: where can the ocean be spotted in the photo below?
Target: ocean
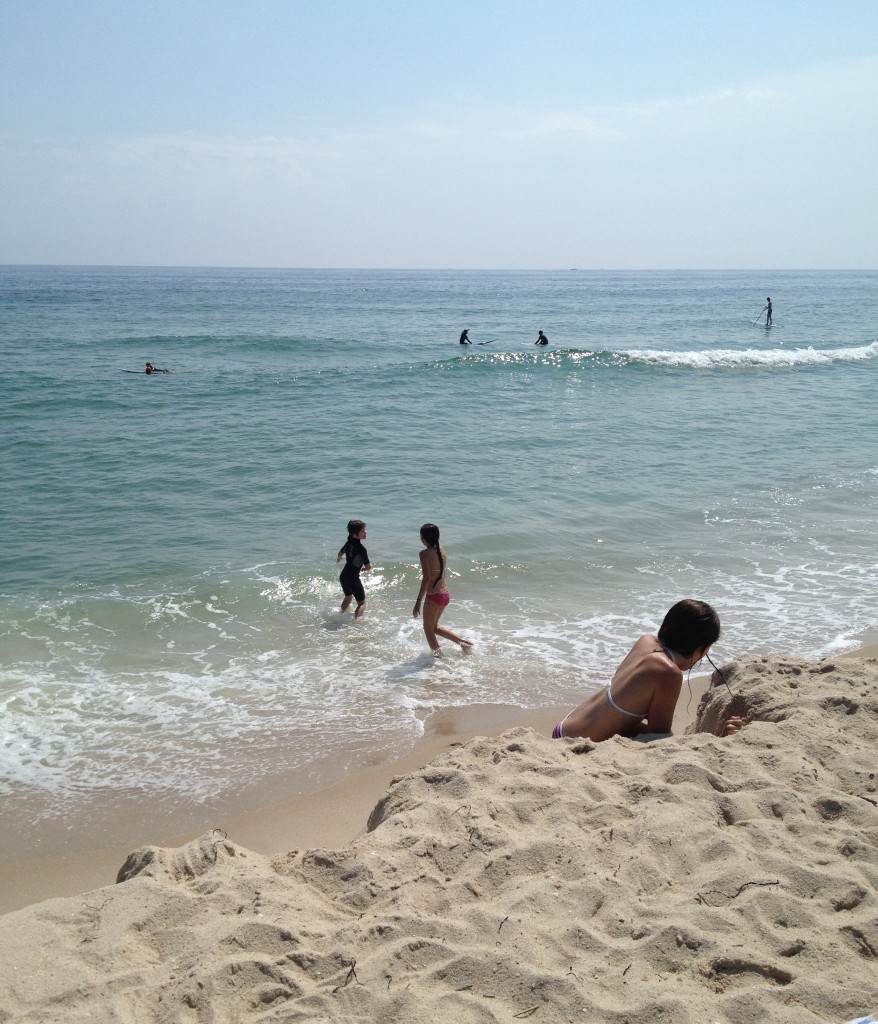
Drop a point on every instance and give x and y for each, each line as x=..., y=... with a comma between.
x=172, y=648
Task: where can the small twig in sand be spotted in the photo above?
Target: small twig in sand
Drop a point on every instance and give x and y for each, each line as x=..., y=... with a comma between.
x=473, y=831
x=95, y=916
x=527, y=1013
x=352, y=973
x=717, y=892
x=505, y=919
x=100, y=907
x=868, y=799
x=790, y=1000
x=627, y=969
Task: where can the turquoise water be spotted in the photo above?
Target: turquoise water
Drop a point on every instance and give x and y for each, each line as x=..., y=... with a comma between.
x=168, y=587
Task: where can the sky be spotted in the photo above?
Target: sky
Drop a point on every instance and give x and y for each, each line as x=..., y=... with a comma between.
x=526, y=134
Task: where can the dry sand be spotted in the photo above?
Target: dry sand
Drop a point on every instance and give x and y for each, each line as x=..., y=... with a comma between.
x=693, y=879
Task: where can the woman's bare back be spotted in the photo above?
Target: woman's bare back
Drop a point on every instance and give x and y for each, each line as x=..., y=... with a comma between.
x=433, y=570
x=646, y=685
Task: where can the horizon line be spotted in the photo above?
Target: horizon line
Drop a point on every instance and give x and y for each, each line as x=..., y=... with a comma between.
x=445, y=270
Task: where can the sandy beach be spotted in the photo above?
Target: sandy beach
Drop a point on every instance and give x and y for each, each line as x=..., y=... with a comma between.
x=331, y=816
x=510, y=876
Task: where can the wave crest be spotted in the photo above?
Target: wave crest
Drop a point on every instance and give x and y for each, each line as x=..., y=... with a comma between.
x=700, y=359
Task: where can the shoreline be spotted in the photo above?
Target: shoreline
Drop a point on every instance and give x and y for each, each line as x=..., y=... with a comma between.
x=329, y=817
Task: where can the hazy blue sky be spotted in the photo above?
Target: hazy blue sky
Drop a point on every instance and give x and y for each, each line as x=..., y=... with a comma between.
x=530, y=133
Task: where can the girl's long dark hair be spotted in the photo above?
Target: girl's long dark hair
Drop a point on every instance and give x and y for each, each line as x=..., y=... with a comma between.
x=430, y=536
x=689, y=625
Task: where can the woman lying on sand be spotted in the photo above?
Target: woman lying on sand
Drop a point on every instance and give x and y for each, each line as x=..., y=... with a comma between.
x=650, y=677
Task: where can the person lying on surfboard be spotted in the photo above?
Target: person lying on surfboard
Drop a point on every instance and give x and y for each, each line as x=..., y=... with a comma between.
x=154, y=369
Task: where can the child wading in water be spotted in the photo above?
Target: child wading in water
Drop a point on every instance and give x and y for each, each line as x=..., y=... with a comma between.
x=434, y=588
x=356, y=560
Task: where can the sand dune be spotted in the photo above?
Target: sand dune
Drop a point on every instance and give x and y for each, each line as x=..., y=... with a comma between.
x=689, y=880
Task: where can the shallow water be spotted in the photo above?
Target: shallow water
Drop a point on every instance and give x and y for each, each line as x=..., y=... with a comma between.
x=168, y=606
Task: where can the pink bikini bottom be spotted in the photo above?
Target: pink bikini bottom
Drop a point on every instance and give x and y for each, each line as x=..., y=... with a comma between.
x=442, y=598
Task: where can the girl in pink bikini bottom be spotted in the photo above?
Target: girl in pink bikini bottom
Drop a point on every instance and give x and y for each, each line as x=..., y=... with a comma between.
x=434, y=588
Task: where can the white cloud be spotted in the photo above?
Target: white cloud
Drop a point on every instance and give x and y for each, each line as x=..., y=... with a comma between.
x=672, y=180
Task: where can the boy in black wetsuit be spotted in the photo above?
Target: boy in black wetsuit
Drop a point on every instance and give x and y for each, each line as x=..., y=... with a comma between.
x=356, y=560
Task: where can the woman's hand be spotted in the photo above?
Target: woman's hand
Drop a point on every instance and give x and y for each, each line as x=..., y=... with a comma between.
x=732, y=725
x=416, y=611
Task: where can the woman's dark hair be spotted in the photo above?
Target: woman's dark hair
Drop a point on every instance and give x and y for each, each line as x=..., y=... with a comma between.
x=688, y=626
x=430, y=536
x=355, y=526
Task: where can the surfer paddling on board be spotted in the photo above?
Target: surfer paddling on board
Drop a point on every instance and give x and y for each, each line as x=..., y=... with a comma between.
x=154, y=369
x=541, y=339
x=464, y=338
x=650, y=677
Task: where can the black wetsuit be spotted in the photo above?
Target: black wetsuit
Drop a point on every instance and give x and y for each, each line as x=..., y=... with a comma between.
x=355, y=558
x=464, y=338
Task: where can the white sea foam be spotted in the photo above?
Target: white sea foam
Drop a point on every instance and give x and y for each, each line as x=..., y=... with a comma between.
x=201, y=722
x=779, y=356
